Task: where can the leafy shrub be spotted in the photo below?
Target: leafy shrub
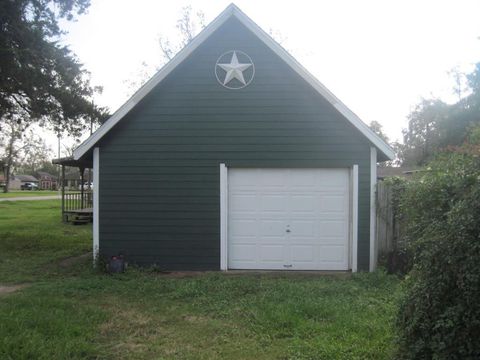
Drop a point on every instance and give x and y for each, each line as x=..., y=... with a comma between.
x=439, y=315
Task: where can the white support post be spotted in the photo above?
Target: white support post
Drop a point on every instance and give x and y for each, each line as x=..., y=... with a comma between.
x=96, y=192
x=223, y=217
x=355, y=218
x=373, y=212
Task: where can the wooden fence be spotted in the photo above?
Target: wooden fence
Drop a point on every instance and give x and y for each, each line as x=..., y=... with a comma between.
x=389, y=226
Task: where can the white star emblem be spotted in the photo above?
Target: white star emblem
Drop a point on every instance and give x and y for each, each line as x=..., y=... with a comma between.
x=234, y=70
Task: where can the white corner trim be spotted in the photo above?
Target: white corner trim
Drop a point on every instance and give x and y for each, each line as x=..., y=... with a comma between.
x=355, y=218
x=373, y=212
x=96, y=191
x=223, y=217
x=232, y=10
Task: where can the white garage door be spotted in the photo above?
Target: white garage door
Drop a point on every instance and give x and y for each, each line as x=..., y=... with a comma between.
x=288, y=219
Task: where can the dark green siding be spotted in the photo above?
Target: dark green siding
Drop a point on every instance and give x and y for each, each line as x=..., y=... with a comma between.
x=159, y=167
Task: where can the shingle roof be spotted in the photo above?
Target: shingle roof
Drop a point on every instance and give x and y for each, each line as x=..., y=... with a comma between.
x=27, y=178
x=46, y=174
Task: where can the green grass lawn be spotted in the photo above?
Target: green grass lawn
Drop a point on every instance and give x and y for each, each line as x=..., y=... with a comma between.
x=75, y=312
x=27, y=193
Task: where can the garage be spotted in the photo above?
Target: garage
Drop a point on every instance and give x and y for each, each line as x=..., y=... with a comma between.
x=288, y=219
x=241, y=159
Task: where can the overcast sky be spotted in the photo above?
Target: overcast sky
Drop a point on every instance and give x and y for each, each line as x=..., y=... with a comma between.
x=378, y=57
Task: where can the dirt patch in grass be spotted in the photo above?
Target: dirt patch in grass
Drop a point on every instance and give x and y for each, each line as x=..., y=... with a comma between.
x=182, y=274
x=8, y=289
x=132, y=331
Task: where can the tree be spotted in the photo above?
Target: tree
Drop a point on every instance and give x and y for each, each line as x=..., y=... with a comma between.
x=48, y=167
x=14, y=142
x=34, y=154
x=38, y=75
x=41, y=81
x=422, y=138
x=435, y=125
x=377, y=128
x=188, y=25
x=473, y=80
x=460, y=85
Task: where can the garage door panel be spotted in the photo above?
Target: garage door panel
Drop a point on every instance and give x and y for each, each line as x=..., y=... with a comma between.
x=330, y=179
x=302, y=253
x=272, y=253
x=242, y=227
x=245, y=179
x=272, y=228
x=294, y=219
x=273, y=202
x=332, y=254
x=302, y=228
x=333, y=204
x=244, y=203
x=298, y=180
x=333, y=229
x=303, y=203
x=271, y=179
x=244, y=252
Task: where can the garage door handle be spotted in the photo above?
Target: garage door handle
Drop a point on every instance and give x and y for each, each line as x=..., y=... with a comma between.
x=288, y=230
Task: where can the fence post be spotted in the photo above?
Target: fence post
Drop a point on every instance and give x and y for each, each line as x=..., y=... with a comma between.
x=63, y=192
x=389, y=224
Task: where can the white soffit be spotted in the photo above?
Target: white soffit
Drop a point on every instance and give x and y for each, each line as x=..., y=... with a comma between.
x=232, y=10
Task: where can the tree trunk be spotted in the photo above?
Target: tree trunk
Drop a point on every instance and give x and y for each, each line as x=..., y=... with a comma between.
x=7, y=179
x=10, y=154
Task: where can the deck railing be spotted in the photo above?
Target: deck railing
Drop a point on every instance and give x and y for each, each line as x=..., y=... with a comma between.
x=75, y=201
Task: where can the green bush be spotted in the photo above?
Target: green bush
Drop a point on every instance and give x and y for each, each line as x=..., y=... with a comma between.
x=439, y=316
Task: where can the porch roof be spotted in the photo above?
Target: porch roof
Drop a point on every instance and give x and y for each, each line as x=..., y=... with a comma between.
x=70, y=161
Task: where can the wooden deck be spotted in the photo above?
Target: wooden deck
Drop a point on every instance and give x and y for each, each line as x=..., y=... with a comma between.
x=78, y=216
x=81, y=211
x=77, y=207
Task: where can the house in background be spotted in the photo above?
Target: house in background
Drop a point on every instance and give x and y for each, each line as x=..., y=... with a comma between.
x=25, y=179
x=72, y=179
x=14, y=183
x=47, y=181
x=240, y=159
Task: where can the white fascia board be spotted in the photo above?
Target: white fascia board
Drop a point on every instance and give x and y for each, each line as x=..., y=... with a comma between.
x=233, y=10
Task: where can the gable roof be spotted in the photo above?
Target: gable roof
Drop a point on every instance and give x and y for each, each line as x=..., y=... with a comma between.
x=44, y=174
x=233, y=10
x=28, y=178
